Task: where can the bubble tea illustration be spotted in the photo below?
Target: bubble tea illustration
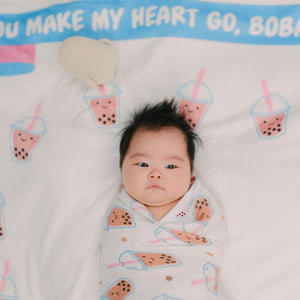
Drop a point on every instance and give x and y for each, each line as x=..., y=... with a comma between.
x=269, y=114
x=194, y=99
x=103, y=103
x=2, y=220
x=145, y=260
x=26, y=134
x=8, y=289
x=119, y=290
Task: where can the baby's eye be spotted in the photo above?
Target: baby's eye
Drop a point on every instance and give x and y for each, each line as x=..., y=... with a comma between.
x=143, y=165
x=171, y=167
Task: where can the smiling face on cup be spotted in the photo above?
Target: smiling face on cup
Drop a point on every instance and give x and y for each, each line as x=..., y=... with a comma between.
x=23, y=143
x=156, y=170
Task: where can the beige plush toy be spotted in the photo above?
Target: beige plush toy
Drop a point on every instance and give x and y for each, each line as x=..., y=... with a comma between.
x=94, y=62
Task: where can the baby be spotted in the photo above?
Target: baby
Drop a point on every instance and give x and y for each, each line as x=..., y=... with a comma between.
x=164, y=236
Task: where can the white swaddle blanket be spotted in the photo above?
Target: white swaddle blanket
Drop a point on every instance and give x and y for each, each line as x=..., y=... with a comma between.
x=178, y=257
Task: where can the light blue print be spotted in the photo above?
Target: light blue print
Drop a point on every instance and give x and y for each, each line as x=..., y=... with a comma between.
x=211, y=275
x=9, y=291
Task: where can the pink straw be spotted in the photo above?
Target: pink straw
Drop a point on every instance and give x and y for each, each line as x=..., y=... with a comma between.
x=197, y=229
x=162, y=240
x=5, y=273
x=267, y=95
x=204, y=280
x=102, y=90
x=122, y=263
x=199, y=80
x=35, y=117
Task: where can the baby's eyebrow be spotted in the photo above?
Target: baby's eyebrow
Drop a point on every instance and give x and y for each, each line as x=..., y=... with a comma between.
x=175, y=157
x=137, y=154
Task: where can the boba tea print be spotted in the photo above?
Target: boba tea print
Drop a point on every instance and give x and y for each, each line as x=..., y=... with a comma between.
x=104, y=104
x=194, y=99
x=153, y=254
x=270, y=113
x=119, y=290
x=8, y=289
x=25, y=136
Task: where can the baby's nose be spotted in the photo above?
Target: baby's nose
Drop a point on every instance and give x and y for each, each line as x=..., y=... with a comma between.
x=155, y=174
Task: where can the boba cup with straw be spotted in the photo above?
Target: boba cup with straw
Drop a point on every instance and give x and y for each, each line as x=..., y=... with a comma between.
x=103, y=103
x=269, y=114
x=194, y=98
x=26, y=134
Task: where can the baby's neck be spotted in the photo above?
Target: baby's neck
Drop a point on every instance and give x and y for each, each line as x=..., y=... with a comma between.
x=158, y=212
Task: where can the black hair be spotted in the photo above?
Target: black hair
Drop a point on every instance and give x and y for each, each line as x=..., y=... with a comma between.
x=154, y=117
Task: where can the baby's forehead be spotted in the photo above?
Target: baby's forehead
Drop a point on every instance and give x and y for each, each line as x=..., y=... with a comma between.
x=161, y=140
x=173, y=130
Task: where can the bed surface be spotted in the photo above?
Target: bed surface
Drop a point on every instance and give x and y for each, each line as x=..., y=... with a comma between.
x=52, y=203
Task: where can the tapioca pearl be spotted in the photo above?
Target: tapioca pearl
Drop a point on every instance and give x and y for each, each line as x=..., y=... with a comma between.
x=23, y=157
x=278, y=129
x=16, y=149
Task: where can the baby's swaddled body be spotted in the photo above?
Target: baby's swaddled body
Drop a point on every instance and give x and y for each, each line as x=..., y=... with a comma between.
x=177, y=258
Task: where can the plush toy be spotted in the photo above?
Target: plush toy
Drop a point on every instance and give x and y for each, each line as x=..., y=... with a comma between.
x=94, y=62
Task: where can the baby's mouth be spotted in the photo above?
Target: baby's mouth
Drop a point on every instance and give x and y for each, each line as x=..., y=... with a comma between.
x=154, y=186
x=104, y=106
x=23, y=140
x=190, y=111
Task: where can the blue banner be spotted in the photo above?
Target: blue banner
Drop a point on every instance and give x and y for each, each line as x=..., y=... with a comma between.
x=137, y=19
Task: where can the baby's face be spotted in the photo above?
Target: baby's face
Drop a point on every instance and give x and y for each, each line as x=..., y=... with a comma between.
x=156, y=170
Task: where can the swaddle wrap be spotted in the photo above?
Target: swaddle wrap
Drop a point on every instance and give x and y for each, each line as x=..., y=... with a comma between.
x=178, y=257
